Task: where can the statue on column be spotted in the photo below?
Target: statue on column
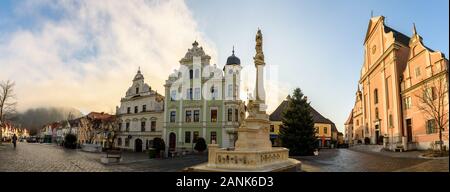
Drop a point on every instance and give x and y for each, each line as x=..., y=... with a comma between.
x=259, y=57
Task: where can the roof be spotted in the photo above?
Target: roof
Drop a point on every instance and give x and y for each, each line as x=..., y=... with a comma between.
x=400, y=37
x=350, y=118
x=333, y=127
x=317, y=117
x=101, y=116
x=233, y=59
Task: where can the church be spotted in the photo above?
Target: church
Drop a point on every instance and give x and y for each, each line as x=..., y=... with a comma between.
x=399, y=77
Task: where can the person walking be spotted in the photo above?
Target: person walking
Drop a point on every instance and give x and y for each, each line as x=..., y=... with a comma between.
x=14, y=140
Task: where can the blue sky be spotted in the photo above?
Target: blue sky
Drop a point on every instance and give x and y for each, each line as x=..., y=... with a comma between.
x=317, y=45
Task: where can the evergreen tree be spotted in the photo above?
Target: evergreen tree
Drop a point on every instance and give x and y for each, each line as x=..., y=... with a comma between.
x=297, y=132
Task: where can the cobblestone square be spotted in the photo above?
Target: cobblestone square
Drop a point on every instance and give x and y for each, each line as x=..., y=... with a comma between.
x=35, y=157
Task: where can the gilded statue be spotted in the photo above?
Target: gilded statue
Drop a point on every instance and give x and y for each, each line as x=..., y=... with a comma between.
x=259, y=52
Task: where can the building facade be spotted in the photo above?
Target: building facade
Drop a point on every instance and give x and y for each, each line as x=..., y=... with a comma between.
x=387, y=107
x=202, y=101
x=140, y=116
x=326, y=131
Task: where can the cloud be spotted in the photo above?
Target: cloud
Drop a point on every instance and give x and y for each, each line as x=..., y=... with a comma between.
x=85, y=53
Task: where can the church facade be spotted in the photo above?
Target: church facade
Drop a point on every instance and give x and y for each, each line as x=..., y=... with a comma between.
x=202, y=100
x=399, y=73
x=140, y=116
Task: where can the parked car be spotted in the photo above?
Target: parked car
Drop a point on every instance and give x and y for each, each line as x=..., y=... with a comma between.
x=32, y=140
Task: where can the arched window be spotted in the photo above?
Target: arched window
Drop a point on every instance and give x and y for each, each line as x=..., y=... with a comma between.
x=375, y=96
x=377, y=116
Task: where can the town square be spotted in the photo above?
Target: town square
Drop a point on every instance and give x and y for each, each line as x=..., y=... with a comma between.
x=162, y=86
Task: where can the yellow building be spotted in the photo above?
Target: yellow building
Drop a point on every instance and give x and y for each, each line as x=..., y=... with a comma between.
x=326, y=131
x=388, y=106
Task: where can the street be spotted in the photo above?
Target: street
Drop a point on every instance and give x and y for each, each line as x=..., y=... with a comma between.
x=34, y=157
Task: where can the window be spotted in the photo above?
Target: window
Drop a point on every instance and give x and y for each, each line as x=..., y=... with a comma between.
x=191, y=74
x=325, y=130
x=431, y=126
x=430, y=93
x=417, y=70
x=197, y=73
x=127, y=142
x=408, y=103
x=230, y=114
x=173, y=95
x=197, y=93
x=120, y=126
x=213, y=137
x=272, y=128
x=144, y=108
x=137, y=90
x=230, y=90
x=196, y=115
x=213, y=115
x=391, y=121
x=196, y=135
x=128, y=110
x=153, y=126
x=187, y=137
x=143, y=126
x=188, y=116
x=377, y=115
x=135, y=109
x=236, y=115
x=127, y=126
x=316, y=129
x=172, y=116
x=189, y=94
x=119, y=141
x=375, y=96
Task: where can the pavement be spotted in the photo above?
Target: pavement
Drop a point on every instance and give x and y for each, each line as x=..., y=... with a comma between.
x=348, y=160
x=35, y=157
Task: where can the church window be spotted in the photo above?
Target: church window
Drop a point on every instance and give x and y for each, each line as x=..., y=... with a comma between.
x=375, y=95
x=191, y=74
x=417, y=70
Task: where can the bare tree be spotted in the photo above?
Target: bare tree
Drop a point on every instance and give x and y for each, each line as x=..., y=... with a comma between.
x=434, y=102
x=7, y=102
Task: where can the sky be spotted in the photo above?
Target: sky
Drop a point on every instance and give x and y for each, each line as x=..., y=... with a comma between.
x=85, y=53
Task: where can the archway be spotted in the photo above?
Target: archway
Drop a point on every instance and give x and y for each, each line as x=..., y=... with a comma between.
x=138, y=145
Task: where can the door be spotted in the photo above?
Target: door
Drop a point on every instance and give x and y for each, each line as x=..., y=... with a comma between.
x=172, y=141
x=377, y=134
x=409, y=130
x=138, y=145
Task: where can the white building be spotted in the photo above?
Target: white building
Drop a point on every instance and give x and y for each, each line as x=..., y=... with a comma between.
x=140, y=116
